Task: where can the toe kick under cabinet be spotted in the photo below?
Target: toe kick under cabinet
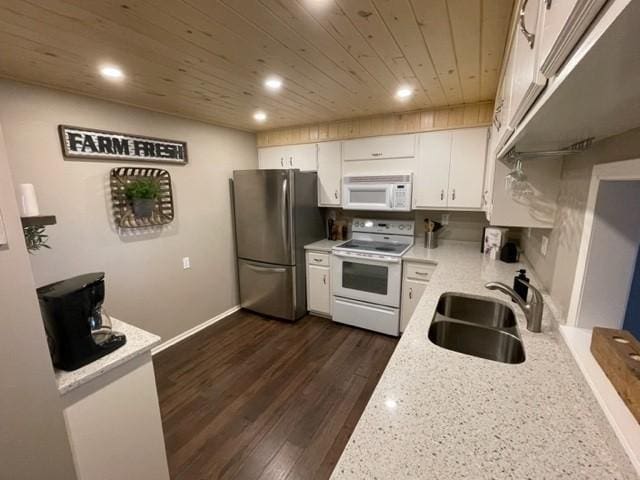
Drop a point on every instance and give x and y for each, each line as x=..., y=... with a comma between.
x=319, y=283
x=415, y=278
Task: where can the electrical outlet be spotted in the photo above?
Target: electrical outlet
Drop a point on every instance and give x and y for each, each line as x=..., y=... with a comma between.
x=186, y=263
x=445, y=219
x=544, y=245
x=528, y=233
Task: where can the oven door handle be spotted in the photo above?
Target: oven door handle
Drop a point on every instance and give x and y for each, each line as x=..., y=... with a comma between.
x=368, y=259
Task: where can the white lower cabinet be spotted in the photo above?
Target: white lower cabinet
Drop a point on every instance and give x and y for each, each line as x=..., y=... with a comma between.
x=415, y=279
x=319, y=283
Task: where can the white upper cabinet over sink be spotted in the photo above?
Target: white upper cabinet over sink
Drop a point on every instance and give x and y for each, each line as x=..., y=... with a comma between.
x=378, y=148
x=450, y=169
x=563, y=23
x=527, y=81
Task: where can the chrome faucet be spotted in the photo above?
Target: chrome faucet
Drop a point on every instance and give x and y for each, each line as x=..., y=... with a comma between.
x=532, y=310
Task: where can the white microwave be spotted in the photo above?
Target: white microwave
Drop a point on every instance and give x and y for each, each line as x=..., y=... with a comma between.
x=377, y=192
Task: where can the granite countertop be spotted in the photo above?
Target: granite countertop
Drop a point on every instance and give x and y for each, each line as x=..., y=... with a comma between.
x=138, y=342
x=323, y=245
x=440, y=414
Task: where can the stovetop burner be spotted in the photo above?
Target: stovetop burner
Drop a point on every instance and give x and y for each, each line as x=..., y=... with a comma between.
x=394, y=248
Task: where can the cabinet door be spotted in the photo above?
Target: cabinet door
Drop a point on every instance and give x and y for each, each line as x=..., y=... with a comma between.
x=431, y=180
x=319, y=289
x=527, y=82
x=466, y=174
x=329, y=174
x=563, y=23
x=304, y=157
x=377, y=148
x=411, y=294
x=272, y=157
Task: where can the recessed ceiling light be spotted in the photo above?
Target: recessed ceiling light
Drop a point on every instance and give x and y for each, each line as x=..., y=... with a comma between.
x=111, y=72
x=260, y=116
x=273, y=83
x=404, y=92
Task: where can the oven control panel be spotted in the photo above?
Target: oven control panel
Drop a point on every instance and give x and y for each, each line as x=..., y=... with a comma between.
x=390, y=227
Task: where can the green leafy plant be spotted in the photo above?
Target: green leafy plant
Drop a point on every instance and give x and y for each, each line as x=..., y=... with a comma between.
x=36, y=238
x=145, y=188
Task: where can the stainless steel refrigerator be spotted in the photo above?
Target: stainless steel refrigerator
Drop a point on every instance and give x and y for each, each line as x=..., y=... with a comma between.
x=276, y=215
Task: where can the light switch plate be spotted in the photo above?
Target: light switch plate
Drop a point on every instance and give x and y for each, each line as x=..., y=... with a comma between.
x=3, y=232
x=544, y=245
x=445, y=219
x=186, y=263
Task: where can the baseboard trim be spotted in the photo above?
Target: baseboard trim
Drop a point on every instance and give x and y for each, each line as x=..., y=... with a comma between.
x=193, y=331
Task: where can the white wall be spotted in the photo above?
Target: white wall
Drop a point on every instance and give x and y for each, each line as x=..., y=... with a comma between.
x=557, y=269
x=146, y=284
x=33, y=437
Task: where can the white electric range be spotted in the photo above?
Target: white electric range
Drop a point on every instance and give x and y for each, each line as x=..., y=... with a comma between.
x=367, y=274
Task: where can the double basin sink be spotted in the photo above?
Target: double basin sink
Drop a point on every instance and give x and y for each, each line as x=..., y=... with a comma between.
x=477, y=326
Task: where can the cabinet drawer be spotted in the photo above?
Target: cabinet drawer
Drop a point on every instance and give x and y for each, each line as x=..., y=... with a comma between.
x=316, y=258
x=419, y=271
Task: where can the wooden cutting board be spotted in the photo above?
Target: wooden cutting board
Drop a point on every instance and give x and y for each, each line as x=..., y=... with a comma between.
x=618, y=353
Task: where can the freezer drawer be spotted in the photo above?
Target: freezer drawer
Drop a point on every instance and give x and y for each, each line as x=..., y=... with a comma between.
x=268, y=289
x=366, y=315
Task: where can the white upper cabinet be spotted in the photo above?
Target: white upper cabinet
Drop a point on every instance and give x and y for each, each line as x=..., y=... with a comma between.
x=450, y=169
x=272, y=157
x=378, y=148
x=431, y=179
x=329, y=174
x=527, y=81
x=303, y=157
x=563, y=23
x=466, y=174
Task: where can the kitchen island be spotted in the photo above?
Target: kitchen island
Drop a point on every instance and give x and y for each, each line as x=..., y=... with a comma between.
x=112, y=414
x=441, y=414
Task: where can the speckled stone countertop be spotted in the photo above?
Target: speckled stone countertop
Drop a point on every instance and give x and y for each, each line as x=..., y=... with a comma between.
x=138, y=342
x=443, y=415
x=323, y=245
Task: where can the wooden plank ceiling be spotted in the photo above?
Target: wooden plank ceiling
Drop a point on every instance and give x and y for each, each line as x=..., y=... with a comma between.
x=208, y=59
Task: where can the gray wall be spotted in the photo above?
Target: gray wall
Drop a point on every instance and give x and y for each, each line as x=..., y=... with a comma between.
x=146, y=284
x=33, y=438
x=557, y=269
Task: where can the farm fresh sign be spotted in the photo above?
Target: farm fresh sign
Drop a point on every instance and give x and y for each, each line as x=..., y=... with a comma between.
x=103, y=145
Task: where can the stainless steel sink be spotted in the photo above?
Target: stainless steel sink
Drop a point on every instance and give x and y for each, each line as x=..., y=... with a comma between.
x=477, y=326
x=479, y=310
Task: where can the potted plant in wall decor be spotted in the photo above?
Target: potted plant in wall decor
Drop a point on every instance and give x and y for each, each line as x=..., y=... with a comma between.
x=142, y=193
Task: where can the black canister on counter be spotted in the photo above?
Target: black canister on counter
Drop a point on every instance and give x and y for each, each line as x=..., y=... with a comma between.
x=521, y=289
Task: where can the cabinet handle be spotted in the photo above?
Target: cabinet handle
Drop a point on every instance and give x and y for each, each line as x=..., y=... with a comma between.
x=377, y=154
x=442, y=194
x=317, y=259
x=530, y=37
x=282, y=161
x=335, y=194
x=453, y=195
x=291, y=161
x=548, y=4
x=324, y=279
x=410, y=293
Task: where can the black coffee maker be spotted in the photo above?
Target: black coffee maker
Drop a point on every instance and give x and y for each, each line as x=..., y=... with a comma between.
x=78, y=331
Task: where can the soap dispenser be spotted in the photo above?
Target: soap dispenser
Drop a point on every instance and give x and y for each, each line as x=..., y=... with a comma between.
x=520, y=288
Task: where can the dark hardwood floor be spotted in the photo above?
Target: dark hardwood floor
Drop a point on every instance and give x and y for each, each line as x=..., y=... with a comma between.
x=251, y=398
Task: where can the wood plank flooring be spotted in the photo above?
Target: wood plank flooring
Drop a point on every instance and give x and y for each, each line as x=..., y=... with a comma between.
x=251, y=398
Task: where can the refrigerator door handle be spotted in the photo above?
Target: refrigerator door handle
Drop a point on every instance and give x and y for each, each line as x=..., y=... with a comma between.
x=284, y=212
x=266, y=269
